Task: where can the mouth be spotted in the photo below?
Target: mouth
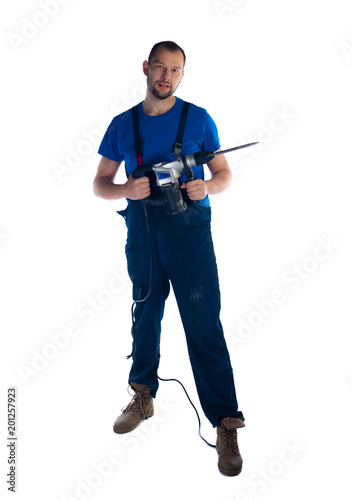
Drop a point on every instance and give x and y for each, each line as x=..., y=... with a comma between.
x=163, y=86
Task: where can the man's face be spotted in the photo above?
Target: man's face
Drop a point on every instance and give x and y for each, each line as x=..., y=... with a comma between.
x=164, y=73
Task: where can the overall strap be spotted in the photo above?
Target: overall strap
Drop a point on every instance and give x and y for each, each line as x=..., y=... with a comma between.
x=138, y=146
x=181, y=129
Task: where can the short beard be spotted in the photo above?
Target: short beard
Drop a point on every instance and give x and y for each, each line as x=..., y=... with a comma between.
x=158, y=94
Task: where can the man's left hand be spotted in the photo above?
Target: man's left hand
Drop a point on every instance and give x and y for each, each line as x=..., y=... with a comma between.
x=196, y=189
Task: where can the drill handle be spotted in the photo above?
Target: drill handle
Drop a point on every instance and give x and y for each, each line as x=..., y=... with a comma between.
x=203, y=157
x=139, y=171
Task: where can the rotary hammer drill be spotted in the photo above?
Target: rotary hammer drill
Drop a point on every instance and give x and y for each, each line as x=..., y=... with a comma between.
x=167, y=177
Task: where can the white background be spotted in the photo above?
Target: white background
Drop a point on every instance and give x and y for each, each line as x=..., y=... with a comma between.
x=247, y=62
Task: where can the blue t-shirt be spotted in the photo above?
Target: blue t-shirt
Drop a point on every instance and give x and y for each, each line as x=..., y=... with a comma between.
x=159, y=135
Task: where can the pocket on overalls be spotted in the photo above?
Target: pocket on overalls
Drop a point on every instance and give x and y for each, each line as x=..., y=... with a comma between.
x=137, y=249
x=195, y=215
x=123, y=213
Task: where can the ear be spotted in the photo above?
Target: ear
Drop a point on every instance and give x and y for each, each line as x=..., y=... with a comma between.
x=145, y=67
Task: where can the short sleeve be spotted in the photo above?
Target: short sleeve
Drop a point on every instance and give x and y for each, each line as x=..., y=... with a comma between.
x=109, y=144
x=211, y=135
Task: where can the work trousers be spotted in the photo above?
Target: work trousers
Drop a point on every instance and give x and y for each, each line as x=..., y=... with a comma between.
x=178, y=249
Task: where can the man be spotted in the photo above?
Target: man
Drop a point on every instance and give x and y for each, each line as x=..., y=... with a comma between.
x=163, y=248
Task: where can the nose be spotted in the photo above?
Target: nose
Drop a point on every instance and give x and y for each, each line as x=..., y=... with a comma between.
x=166, y=74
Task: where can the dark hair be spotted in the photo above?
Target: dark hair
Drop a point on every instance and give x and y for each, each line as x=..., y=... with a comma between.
x=171, y=46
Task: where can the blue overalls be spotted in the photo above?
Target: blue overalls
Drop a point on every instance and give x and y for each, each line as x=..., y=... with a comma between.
x=178, y=249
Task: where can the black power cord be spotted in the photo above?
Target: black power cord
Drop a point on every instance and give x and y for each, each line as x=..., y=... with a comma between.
x=150, y=276
x=195, y=409
x=143, y=300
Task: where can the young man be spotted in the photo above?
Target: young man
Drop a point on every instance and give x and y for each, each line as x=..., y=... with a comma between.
x=163, y=248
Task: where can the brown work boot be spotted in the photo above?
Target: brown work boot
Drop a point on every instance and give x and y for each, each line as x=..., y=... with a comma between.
x=140, y=408
x=230, y=460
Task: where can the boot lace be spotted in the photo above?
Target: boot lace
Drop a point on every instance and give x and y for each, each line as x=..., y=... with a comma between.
x=230, y=438
x=137, y=403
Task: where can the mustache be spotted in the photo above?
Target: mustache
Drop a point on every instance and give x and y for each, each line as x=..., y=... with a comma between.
x=163, y=83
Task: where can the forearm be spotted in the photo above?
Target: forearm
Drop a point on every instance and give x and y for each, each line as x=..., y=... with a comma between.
x=105, y=188
x=133, y=189
x=219, y=181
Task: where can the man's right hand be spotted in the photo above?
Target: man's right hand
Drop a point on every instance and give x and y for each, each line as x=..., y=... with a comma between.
x=134, y=189
x=137, y=189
